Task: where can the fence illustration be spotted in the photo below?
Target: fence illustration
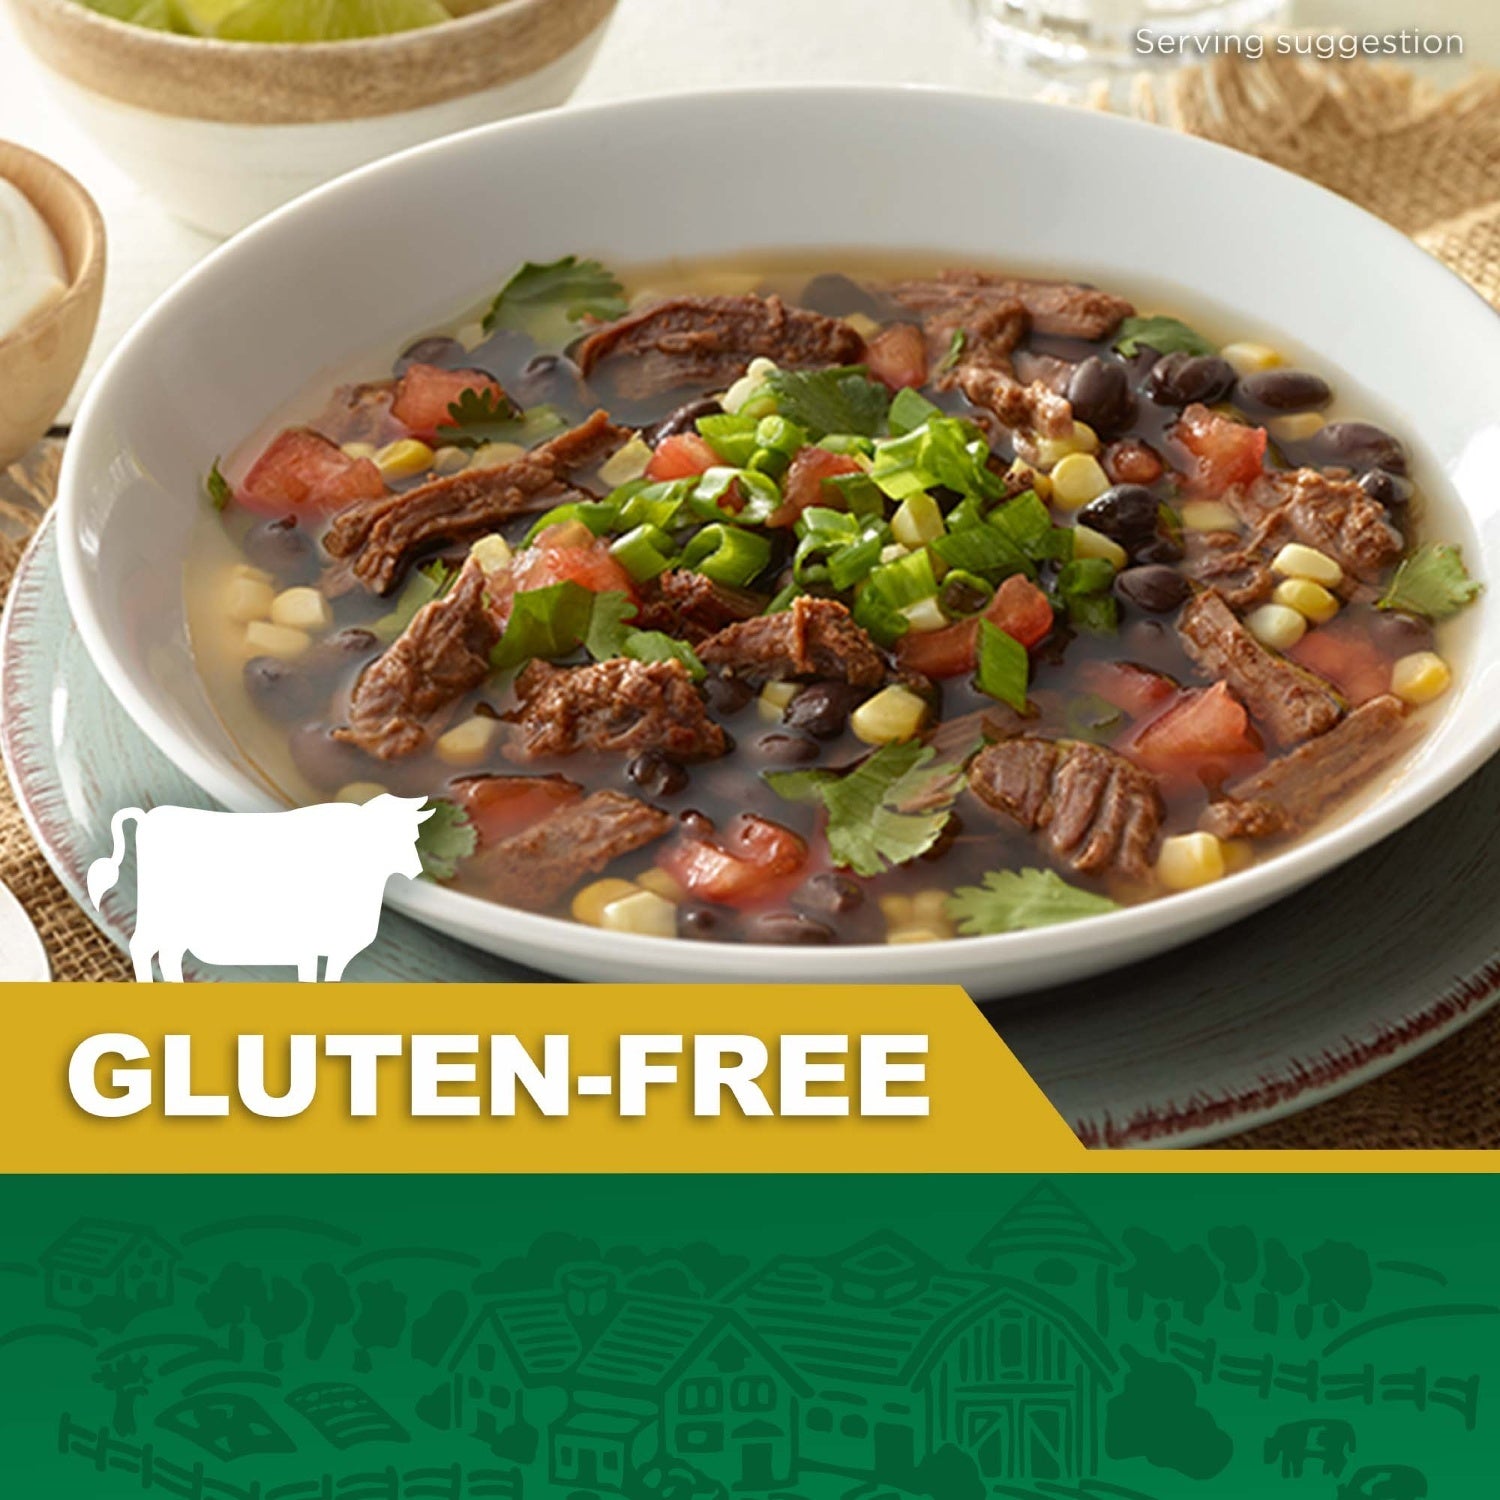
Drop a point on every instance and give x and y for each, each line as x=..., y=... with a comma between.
x=190, y=1481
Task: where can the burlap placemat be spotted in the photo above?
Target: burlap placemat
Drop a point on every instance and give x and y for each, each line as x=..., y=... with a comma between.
x=1428, y=163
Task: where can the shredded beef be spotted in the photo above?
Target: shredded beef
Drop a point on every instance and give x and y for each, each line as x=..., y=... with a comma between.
x=403, y=697
x=1100, y=812
x=1320, y=510
x=815, y=638
x=617, y=705
x=1290, y=702
x=379, y=537
x=693, y=607
x=1222, y=560
x=709, y=341
x=535, y=869
x=1294, y=791
x=1056, y=307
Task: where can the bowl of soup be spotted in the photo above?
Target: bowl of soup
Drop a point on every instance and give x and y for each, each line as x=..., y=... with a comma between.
x=763, y=569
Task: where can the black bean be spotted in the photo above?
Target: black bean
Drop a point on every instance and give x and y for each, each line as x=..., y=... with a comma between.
x=1385, y=489
x=684, y=419
x=326, y=762
x=786, y=749
x=1160, y=548
x=1155, y=588
x=1180, y=379
x=789, y=927
x=829, y=894
x=727, y=695
x=1399, y=633
x=552, y=379
x=697, y=825
x=706, y=922
x=656, y=774
x=824, y=708
x=278, y=690
x=836, y=296
x=339, y=653
x=283, y=548
x=1126, y=513
x=1283, y=390
x=1360, y=445
x=437, y=349
x=1100, y=395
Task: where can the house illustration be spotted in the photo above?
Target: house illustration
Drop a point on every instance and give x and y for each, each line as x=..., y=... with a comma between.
x=904, y=1358
x=606, y=1394
x=98, y=1261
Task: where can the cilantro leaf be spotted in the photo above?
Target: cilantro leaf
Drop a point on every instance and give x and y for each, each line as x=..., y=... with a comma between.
x=549, y=301
x=1085, y=590
x=1004, y=667
x=429, y=582
x=844, y=399
x=445, y=839
x=609, y=635
x=1432, y=582
x=657, y=645
x=888, y=810
x=548, y=622
x=481, y=415
x=1165, y=335
x=1010, y=900
x=955, y=350
x=219, y=490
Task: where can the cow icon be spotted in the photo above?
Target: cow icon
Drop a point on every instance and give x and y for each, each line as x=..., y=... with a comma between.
x=261, y=888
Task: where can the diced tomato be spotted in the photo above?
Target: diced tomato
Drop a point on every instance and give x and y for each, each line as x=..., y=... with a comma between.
x=752, y=861
x=565, y=553
x=303, y=471
x=1352, y=662
x=425, y=393
x=1019, y=608
x=805, y=484
x=1224, y=452
x=1133, y=689
x=897, y=356
x=684, y=456
x=1203, y=735
x=499, y=806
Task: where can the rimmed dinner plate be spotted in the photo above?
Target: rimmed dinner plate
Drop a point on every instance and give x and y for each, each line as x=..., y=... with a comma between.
x=1332, y=986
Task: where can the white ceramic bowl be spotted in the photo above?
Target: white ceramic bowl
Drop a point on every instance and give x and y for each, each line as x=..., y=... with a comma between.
x=974, y=177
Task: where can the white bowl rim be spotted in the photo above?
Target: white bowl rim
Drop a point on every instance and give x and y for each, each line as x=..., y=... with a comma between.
x=1088, y=940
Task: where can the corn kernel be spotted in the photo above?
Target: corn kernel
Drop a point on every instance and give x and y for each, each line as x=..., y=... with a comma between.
x=656, y=879
x=465, y=744
x=1208, y=515
x=265, y=639
x=917, y=520
x=863, y=324
x=450, y=460
x=247, y=599
x=1021, y=476
x=588, y=905
x=1090, y=543
x=897, y=910
x=925, y=614
x=1249, y=358
x=1276, y=626
x=255, y=575
x=492, y=553
x=1050, y=451
x=1239, y=854
x=1295, y=427
x=1188, y=860
x=1420, y=677
x=1296, y=561
x=1076, y=480
x=903, y=935
x=359, y=791
x=1309, y=599
x=892, y=715
x=628, y=463
x=302, y=608
x=641, y=912
x=492, y=455
x=359, y=450
x=774, y=698
x=930, y=907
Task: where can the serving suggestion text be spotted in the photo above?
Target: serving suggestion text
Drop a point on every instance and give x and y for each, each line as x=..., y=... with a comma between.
x=114, y=1075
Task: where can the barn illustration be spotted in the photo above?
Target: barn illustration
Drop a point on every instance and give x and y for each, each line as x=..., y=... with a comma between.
x=101, y=1264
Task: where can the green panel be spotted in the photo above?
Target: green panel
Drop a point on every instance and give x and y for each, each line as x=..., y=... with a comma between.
x=799, y=1338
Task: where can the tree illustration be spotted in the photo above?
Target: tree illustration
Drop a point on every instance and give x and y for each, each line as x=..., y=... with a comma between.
x=1157, y=1271
x=1238, y=1255
x=539, y=1266
x=279, y=1312
x=435, y=1330
x=332, y=1307
x=948, y=1473
x=127, y=1378
x=1339, y=1280
x=1281, y=1277
x=1156, y=1416
x=381, y=1320
x=230, y=1299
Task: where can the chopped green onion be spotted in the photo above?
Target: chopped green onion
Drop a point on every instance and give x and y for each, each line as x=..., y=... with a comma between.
x=905, y=581
x=910, y=410
x=760, y=493
x=644, y=552
x=1003, y=666
x=598, y=515
x=783, y=598
x=963, y=594
x=651, y=504
x=884, y=623
x=985, y=550
x=1085, y=590
x=727, y=554
x=732, y=437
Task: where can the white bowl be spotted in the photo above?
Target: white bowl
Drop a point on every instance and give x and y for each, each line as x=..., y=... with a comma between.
x=875, y=168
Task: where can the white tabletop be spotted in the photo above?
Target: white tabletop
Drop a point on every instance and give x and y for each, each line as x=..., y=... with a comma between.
x=652, y=46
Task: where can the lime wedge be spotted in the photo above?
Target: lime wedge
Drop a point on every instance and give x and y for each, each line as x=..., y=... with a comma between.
x=325, y=20
x=159, y=15
x=203, y=17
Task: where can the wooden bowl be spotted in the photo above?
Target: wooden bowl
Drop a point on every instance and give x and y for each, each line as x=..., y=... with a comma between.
x=40, y=361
